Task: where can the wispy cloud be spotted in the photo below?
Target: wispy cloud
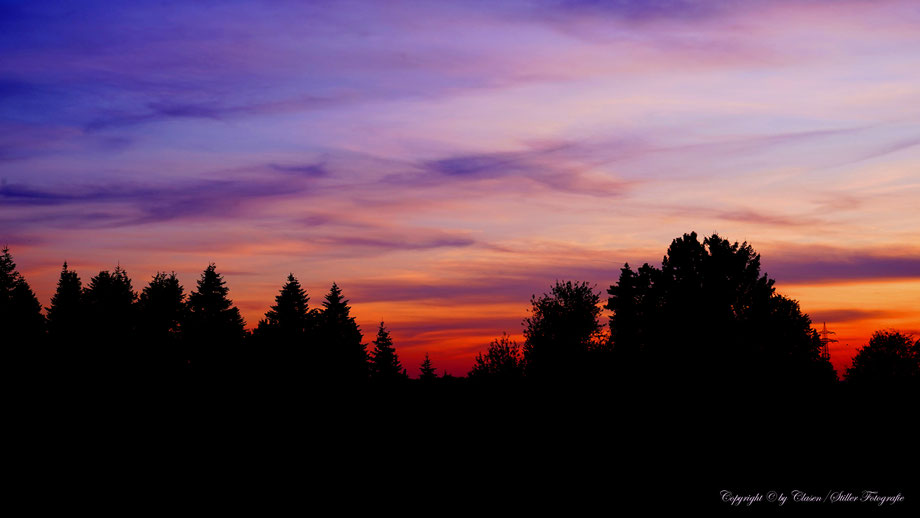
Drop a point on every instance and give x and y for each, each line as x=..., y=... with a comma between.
x=854, y=315
x=856, y=265
x=132, y=203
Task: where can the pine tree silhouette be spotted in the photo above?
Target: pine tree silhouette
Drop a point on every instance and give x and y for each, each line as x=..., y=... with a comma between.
x=427, y=373
x=339, y=342
x=290, y=312
x=282, y=340
x=65, y=315
x=109, y=308
x=160, y=311
x=385, y=366
x=213, y=331
x=22, y=324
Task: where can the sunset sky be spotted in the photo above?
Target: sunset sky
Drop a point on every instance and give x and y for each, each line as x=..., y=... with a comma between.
x=442, y=161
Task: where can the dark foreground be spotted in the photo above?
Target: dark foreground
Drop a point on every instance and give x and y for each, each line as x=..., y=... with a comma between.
x=185, y=445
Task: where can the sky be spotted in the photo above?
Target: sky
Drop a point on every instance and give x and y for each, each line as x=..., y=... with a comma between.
x=443, y=161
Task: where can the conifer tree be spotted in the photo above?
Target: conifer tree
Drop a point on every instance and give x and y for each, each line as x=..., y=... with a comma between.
x=109, y=300
x=282, y=339
x=385, y=366
x=339, y=347
x=288, y=320
x=160, y=311
x=214, y=329
x=427, y=373
x=65, y=315
x=21, y=320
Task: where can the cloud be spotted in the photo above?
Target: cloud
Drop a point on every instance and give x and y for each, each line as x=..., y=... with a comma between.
x=156, y=111
x=488, y=282
x=560, y=166
x=414, y=240
x=308, y=170
x=829, y=267
x=745, y=215
x=635, y=10
x=132, y=203
x=853, y=315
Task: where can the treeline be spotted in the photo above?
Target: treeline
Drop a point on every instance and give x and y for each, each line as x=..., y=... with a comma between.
x=706, y=318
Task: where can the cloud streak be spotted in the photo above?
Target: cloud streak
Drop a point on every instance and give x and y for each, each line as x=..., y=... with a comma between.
x=851, y=266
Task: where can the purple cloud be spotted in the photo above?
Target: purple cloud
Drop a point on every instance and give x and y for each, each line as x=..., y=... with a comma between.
x=395, y=241
x=853, y=315
x=557, y=166
x=136, y=203
x=852, y=266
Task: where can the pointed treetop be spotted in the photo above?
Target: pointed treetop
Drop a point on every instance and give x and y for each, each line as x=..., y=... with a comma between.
x=384, y=360
x=426, y=371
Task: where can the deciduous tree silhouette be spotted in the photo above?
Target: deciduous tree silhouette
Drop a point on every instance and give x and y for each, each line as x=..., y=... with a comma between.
x=160, y=312
x=891, y=359
x=213, y=330
x=709, y=316
x=22, y=324
x=384, y=362
x=563, y=328
x=502, y=362
x=343, y=356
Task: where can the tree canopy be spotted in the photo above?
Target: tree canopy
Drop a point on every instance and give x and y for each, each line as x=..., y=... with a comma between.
x=563, y=326
x=503, y=362
x=709, y=315
x=890, y=358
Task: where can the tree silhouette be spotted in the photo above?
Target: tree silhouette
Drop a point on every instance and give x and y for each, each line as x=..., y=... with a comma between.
x=65, y=315
x=891, y=359
x=109, y=300
x=339, y=342
x=21, y=321
x=22, y=325
x=502, y=362
x=427, y=373
x=384, y=362
x=709, y=316
x=283, y=339
x=563, y=328
x=288, y=320
x=160, y=311
x=213, y=330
